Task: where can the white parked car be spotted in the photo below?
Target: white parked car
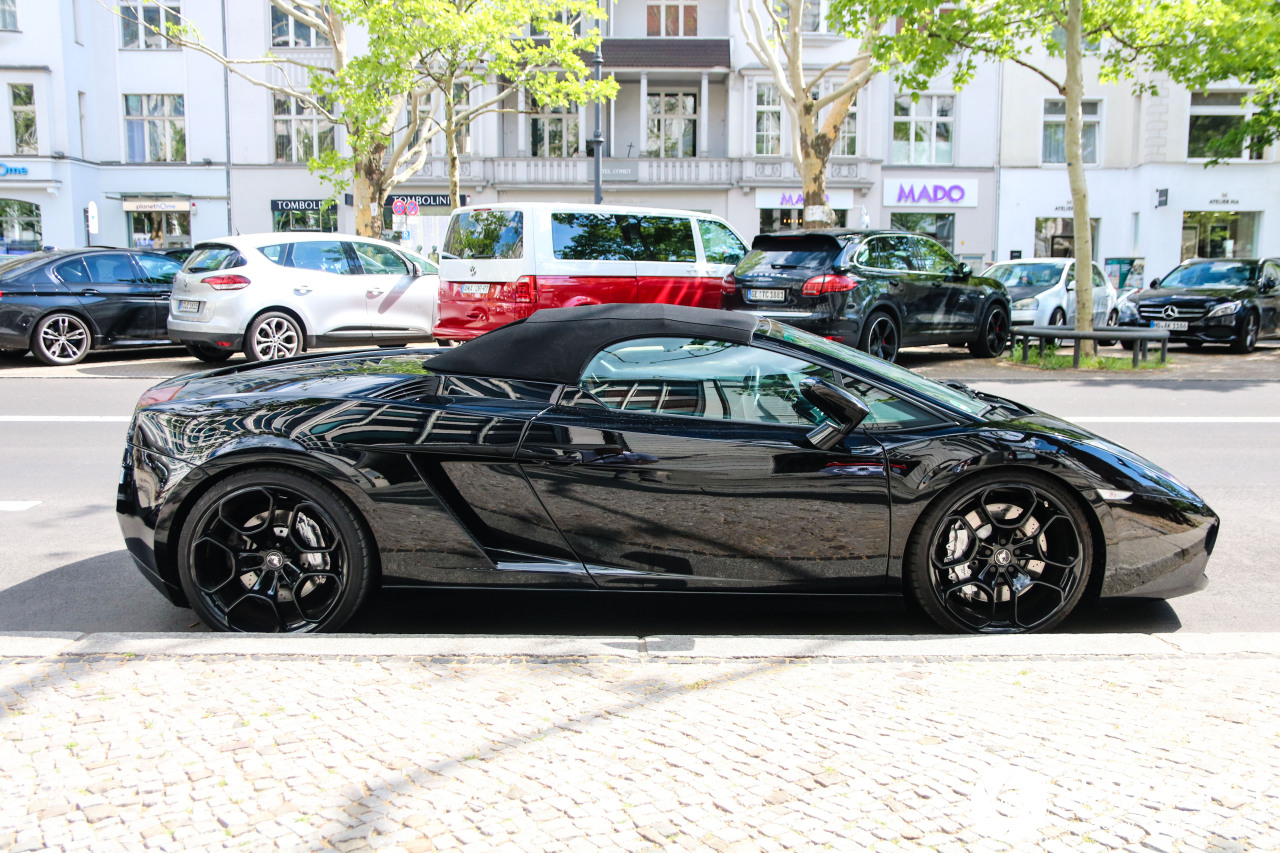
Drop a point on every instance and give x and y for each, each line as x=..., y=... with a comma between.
x=275, y=295
x=1042, y=292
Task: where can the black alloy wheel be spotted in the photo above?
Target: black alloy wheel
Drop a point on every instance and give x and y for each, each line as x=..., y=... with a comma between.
x=61, y=339
x=1004, y=554
x=880, y=337
x=272, y=336
x=1113, y=319
x=212, y=355
x=273, y=551
x=1247, y=337
x=1057, y=318
x=993, y=334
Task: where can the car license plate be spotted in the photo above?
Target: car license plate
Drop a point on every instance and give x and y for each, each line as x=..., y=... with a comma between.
x=1171, y=325
x=188, y=306
x=767, y=295
x=475, y=290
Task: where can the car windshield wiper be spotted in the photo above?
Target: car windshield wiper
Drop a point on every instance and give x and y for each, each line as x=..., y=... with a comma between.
x=450, y=256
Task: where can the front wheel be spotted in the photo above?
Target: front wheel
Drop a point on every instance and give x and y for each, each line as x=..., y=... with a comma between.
x=273, y=551
x=1058, y=318
x=272, y=336
x=209, y=354
x=1005, y=553
x=1113, y=319
x=993, y=333
x=880, y=337
x=61, y=339
x=1247, y=338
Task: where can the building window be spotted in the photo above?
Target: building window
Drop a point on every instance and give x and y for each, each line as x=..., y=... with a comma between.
x=923, y=130
x=1213, y=116
x=305, y=220
x=1054, y=146
x=143, y=24
x=672, y=124
x=22, y=97
x=554, y=132
x=8, y=17
x=567, y=17
x=1055, y=237
x=155, y=229
x=768, y=120
x=82, y=100
x=939, y=226
x=672, y=19
x=300, y=133
x=810, y=15
x=155, y=128
x=1218, y=234
x=19, y=227
x=287, y=31
x=789, y=218
x=847, y=140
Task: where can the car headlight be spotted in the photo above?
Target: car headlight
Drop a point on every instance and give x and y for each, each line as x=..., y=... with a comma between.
x=1026, y=304
x=1128, y=311
x=1225, y=308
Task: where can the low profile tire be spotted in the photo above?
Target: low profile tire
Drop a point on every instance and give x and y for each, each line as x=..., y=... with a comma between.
x=880, y=336
x=993, y=333
x=1247, y=337
x=1113, y=319
x=272, y=336
x=1057, y=318
x=273, y=551
x=212, y=355
x=1002, y=553
x=61, y=339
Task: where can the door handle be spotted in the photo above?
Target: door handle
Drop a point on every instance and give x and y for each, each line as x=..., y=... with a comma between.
x=375, y=291
x=89, y=291
x=302, y=289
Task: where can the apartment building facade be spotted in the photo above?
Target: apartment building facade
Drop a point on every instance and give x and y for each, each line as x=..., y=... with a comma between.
x=171, y=150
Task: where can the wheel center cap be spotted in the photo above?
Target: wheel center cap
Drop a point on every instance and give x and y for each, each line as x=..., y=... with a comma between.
x=1003, y=557
x=274, y=559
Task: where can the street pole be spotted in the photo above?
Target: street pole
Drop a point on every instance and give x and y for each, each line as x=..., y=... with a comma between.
x=597, y=139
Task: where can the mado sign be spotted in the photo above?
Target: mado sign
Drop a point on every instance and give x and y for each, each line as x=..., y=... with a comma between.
x=923, y=192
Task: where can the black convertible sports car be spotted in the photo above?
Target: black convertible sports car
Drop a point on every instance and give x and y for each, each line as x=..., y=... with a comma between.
x=637, y=447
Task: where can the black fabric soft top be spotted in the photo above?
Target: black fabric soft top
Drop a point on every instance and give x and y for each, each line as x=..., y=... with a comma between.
x=555, y=344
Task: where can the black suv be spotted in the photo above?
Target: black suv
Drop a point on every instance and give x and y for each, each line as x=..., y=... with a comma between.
x=877, y=290
x=1227, y=301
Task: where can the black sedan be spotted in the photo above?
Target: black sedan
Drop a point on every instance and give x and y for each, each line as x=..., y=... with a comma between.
x=60, y=304
x=1226, y=301
x=637, y=447
x=876, y=290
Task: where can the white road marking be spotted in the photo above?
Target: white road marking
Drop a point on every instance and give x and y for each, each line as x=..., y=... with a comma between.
x=18, y=506
x=65, y=419
x=1172, y=419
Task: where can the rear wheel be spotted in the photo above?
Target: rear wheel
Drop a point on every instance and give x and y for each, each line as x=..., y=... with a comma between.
x=880, y=336
x=273, y=551
x=1004, y=553
x=272, y=336
x=1247, y=337
x=993, y=333
x=212, y=355
x=61, y=339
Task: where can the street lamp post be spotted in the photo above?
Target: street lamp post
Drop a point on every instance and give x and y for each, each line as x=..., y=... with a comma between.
x=596, y=142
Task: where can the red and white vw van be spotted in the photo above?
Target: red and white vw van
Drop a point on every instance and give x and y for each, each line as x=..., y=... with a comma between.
x=502, y=262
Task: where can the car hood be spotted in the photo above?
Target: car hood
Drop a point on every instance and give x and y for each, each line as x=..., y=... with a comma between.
x=1023, y=291
x=1208, y=294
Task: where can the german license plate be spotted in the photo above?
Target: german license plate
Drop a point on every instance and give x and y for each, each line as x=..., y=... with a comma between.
x=1171, y=325
x=475, y=290
x=188, y=306
x=767, y=295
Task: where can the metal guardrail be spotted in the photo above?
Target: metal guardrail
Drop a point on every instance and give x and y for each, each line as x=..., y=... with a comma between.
x=1140, y=338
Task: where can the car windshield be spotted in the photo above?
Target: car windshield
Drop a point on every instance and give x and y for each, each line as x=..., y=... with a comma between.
x=926, y=388
x=1041, y=275
x=1212, y=274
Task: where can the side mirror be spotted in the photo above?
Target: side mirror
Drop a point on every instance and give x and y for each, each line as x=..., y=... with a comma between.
x=845, y=410
x=964, y=271
x=1268, y=285
x=1155, y=282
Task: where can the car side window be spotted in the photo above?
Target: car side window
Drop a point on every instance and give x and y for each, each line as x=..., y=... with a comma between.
x=322, y=256
x=1099, y=280
x=588, y=237
x=932, y=258
x=719, y=244
x=110, y=266
x=379, y=260
x=665, y=238
x=887, y=253
x=1270, y=272
x=72, y=271
x=159, y=269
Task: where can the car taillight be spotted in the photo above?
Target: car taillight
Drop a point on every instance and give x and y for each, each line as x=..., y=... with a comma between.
x=227, y=282
x=159, y=394
x=821, y=284
x=729, y=285
x=527, y=288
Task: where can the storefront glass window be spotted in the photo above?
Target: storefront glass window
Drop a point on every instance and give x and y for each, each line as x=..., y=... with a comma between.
x=787, y=218
x=154, y=229
x=1219, y=234
x=19, y=226
x=939, y=226
x=305, y=220
x=1055, y=237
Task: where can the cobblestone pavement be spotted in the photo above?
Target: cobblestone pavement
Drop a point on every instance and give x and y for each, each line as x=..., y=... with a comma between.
x=1148, y=752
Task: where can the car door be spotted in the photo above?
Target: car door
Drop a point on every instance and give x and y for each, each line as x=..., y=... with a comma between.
x=888, y=260
x=667, y=267
x=399, y=304
x=1269, y=297
x=158, y=272
x=959, y=296
x=113, y=293
x=719, y=252
x=681, y=464
x=324, y=286
x=589, y=263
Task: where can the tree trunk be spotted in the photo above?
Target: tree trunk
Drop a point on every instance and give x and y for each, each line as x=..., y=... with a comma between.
x=815, y=149
x=1075, y=173
x=451, y=149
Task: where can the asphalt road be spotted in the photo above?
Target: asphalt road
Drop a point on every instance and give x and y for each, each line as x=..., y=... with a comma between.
x=63, y=566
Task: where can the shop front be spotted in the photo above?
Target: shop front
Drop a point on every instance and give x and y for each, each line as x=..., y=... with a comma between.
x=937, y=206
x=1219, y=234
x=417, y=220
x=783, y=209
x=21, y=222
x=158, y=223
x=1056, y=236
x=304, y=214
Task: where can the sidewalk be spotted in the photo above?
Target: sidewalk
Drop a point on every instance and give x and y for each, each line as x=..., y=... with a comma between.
x=1058, y=742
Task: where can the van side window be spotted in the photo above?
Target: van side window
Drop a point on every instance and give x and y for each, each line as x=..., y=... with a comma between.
x=486, y=234
x=719, y=244
x=588, y=237
x=665, y=238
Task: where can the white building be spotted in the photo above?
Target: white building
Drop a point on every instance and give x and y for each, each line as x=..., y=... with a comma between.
x=96, y=110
